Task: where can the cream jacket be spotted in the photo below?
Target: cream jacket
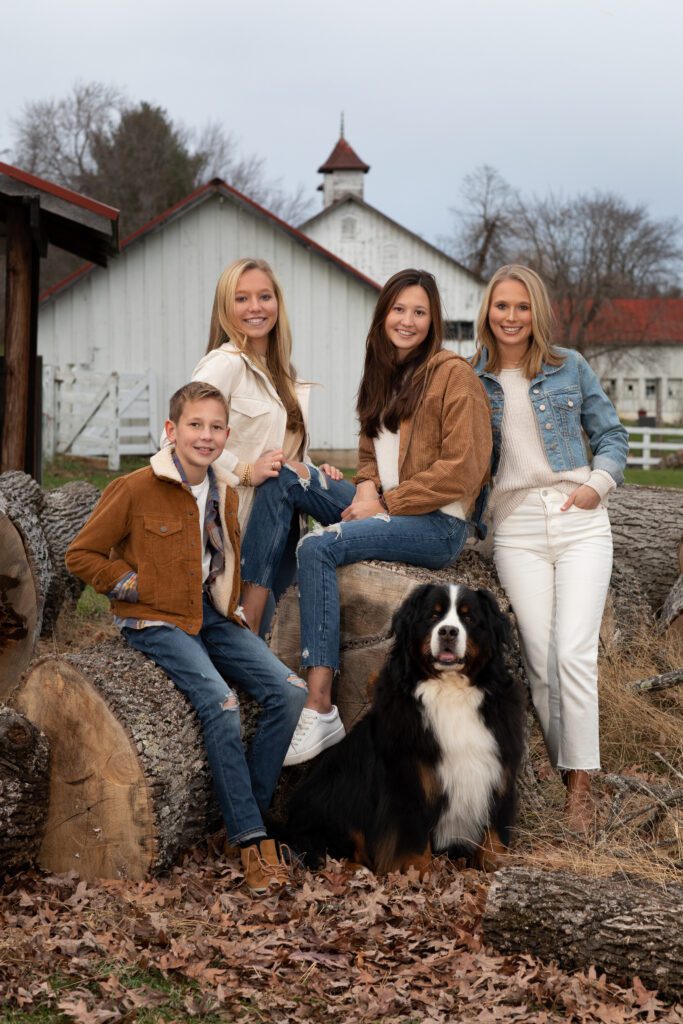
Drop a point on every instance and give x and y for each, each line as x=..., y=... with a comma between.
x=258, y=419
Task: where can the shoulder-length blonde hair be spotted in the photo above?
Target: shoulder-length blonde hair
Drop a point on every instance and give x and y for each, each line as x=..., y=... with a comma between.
x=542, y=322
x=277, y=361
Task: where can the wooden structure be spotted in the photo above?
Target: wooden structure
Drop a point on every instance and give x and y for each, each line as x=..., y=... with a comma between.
x=34, y=214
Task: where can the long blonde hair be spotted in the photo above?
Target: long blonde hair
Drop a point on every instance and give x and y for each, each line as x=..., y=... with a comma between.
x=277, y=361
x=542, y=322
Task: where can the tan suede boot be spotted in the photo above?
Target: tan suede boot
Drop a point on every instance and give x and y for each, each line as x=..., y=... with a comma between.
x=579, y=806
x=264, y=867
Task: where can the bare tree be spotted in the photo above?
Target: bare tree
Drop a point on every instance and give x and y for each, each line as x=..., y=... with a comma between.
x=54, y=137
x=73, y=141
x=590, y=249
x=485, y=224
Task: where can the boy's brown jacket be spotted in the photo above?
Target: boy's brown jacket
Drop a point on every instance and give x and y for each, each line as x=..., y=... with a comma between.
x=444, y=448
x=148, y=522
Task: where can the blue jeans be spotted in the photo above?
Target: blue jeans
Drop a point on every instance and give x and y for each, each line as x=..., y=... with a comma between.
x=198, y=666
x=432, y=540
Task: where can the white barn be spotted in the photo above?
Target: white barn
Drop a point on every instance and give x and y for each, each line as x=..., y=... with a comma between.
x=150, y=310
x=378, y=246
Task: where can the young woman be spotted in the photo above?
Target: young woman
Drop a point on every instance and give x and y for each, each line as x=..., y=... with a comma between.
x=424, y=453
x=552, y=537
x=248, y=359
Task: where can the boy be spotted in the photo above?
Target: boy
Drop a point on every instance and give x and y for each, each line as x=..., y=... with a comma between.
x=163, y=544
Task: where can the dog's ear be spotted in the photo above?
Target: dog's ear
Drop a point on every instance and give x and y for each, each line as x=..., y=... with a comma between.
x=497, y=620
x=409, y=609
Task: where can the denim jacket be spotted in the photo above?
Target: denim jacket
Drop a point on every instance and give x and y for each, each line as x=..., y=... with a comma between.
x=566, y=399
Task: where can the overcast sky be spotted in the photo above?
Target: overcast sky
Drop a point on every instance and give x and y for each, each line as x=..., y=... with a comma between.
x=572, y=95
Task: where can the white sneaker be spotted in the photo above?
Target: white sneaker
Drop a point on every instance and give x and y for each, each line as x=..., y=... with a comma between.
x=314, y=733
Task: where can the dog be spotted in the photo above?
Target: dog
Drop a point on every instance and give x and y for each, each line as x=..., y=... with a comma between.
x=431, y=768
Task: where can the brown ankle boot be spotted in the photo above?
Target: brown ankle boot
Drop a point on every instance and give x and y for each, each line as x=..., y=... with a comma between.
x=579, y=806
x=264, y=867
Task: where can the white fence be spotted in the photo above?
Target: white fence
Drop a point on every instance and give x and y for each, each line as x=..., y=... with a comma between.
x=99, y=414
x=644, y=440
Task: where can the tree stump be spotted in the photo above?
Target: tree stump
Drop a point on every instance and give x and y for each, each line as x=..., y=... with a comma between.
x=622, y=926
x=647, y=523
x=25, y=575
x=370, y=593
x=63, y=512
x=24, y=764
x=129, y=782
x=36, y=528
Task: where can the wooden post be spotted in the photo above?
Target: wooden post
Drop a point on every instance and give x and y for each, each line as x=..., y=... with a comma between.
x=20, y=334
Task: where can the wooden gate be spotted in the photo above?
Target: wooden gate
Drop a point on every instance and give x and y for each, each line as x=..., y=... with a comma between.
x=99, y=414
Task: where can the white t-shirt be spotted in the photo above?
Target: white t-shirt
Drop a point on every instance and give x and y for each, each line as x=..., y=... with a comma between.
x=201, y=493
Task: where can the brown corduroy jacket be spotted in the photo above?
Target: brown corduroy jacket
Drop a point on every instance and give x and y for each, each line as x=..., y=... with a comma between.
x=148, y=522
x=444, y=448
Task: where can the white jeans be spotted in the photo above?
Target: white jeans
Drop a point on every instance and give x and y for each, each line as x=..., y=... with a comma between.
x=555, y=567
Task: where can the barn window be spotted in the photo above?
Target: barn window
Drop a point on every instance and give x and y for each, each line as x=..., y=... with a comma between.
x=631, y=387
x=609, y=386
x=348, y=226
x=650, y=388
x=459, y=330
x=675, y=387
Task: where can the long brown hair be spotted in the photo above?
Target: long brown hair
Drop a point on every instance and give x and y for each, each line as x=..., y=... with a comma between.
x=390, y=390
x=542, y=322
x=277, y=362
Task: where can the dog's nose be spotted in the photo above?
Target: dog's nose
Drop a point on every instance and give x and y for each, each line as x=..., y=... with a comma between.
x=448, y=632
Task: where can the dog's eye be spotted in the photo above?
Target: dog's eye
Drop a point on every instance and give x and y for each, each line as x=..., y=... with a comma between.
x=465, y=615
x=436, y=614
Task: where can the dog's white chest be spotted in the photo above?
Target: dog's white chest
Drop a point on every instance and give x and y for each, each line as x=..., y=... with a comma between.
x=470, y=769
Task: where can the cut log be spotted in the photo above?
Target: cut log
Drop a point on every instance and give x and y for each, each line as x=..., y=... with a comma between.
x=647, y=524
x=673, y=606
x=24, y=764
x=36, y=528
x=25, y=575
x=129, y=782
x=370, y=593
x=63, y=512
x=621, y=926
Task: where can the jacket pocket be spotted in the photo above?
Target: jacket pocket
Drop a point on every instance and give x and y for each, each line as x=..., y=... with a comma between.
x=163, y=539
x=249, y=418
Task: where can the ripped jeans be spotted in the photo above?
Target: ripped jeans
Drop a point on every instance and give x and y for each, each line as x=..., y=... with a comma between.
x=198, y=665
x=432, y=540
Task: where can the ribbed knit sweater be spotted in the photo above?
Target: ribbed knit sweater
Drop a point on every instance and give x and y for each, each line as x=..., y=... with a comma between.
x=523, y=464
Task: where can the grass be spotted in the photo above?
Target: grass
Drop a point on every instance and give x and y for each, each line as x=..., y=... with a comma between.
x=655, y=477
x=65, y=468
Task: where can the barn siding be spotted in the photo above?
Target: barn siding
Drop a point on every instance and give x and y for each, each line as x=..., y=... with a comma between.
x=151, y=309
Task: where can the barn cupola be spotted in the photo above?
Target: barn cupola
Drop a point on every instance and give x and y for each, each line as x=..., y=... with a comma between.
x=343, y=172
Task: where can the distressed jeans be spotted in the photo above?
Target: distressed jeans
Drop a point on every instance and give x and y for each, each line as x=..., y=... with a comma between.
x=432, y=540
x=198, y=665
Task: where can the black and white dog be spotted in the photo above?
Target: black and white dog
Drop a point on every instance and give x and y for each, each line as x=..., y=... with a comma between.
x=432, y=766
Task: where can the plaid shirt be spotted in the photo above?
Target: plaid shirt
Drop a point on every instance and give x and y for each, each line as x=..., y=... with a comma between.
x=126, y=588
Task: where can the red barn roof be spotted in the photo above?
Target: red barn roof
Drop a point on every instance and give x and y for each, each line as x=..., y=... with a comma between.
x=638, y=322
x=343, y=158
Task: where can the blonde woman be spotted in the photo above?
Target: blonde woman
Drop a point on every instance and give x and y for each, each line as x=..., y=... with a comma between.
x=248, y=359
x=552, y=537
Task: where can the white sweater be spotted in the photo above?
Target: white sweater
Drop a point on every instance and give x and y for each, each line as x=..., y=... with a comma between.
x=523, y=465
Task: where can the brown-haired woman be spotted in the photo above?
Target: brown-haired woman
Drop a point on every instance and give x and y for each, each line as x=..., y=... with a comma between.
x=424, y=452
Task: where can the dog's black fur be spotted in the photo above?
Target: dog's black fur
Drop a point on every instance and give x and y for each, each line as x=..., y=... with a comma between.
x=432, y=765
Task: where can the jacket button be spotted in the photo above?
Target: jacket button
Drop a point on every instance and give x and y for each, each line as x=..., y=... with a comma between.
x=570, y=404
x=542, y=408
x=548, y=426
x=162, y=529
x=537, y=391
